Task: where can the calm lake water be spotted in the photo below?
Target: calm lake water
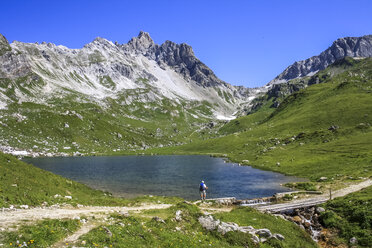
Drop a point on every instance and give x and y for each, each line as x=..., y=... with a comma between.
x=166, y=175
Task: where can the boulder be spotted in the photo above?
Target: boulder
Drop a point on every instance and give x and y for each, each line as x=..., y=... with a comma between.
x=208, y=222
x=264, y=233
x=297, y=219
x=225, y=227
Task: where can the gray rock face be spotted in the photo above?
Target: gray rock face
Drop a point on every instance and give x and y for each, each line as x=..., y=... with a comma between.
x=142, y=43
x=104, y=69
x=4, y=45
x=343, y=47
x=180, y=57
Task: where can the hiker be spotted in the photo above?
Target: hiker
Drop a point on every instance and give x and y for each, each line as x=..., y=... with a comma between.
x=203, y=190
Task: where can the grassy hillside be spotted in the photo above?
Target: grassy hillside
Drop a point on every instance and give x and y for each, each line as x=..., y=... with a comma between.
x=25, y=184
x=75, y=123
x=142, y=230
x=322, y=130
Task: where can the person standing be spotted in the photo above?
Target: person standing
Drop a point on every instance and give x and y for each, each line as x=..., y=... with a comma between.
x=203, y=190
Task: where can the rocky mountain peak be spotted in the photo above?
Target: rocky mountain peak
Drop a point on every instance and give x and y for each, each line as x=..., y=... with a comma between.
x=141, y=43
x=342, y=47
x=3, y=40
x=4, y=45
x=144, y=36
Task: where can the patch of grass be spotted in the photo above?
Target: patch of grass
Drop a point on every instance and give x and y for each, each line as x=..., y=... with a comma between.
x=351, y=216
x=308, y=186
x=42, y=234
x=107, y=82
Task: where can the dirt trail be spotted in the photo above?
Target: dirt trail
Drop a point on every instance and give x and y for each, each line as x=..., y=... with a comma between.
x=314, y=200
x=10, y=218
x=76, y=235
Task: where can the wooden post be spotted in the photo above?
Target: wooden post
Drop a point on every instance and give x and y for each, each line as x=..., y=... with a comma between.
x=330, y=193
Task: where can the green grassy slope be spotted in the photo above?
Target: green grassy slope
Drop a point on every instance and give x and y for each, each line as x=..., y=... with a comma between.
x=74, y=123
x=295, y=138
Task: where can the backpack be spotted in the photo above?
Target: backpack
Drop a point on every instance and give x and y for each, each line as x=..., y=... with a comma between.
x=201, y=188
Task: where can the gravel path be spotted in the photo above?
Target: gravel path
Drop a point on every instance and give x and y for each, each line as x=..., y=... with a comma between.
x=10, y=218
x=314, y=200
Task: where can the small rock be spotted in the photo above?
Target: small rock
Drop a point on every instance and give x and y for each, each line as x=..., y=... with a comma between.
x=124, y=214
x=322, y=179
x=178, y=215
x=83, y=242
x=278, y=236
x=353, y=241
x=158, y=219
x=333, y=128
x=178, y=228
x=24, y=206
x=320, y=210
x=68, y=197
x=57, y=196
x=108, y=232
x=307, y=224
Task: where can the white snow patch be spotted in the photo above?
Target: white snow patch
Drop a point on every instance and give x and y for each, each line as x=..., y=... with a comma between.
x=225, y=118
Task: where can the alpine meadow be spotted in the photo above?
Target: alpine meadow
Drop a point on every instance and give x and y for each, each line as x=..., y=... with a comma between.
x=156, y=103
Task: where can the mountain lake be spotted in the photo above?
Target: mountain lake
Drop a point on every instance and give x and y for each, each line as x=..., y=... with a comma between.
x=173, y=175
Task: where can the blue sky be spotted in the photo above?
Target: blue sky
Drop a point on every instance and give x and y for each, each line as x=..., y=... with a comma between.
x=243, y=42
